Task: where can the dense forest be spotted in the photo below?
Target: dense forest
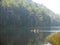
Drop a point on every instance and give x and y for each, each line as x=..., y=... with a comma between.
x=19, y=20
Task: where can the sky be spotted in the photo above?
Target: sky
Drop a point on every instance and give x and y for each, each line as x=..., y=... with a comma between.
x=53, y=5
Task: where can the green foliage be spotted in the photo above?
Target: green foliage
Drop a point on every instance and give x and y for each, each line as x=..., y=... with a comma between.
x=31, y=13
x=54, y=38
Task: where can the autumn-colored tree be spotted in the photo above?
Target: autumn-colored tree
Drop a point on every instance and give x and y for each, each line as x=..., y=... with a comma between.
x=54, y=38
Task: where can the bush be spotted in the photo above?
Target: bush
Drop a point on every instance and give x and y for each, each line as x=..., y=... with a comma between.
x=54, y=38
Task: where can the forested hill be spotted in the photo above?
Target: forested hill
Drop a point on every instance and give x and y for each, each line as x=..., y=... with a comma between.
x=22, y=13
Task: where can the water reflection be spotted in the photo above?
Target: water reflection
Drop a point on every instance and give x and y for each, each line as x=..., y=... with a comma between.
x=16, y=36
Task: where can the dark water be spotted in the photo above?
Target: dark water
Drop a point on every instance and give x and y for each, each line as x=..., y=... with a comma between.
x=14, y=34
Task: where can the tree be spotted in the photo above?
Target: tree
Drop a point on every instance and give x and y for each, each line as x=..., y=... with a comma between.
x=54, y=38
